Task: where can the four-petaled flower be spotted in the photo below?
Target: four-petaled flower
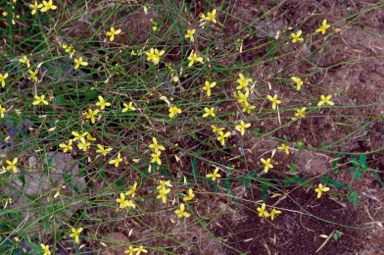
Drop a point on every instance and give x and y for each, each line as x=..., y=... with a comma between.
x=116, y=161
x=190, y=196
x=323, y=28
x=208, y=86
x=2, y=79
x=35, y=7
x=298, y=82
x=140, y=250
x=83, y=144
x=45, y=249
x=103, y=150
x=267, y=164
x=78, y=135
x=181, y=212
x=284, y=148
x=326, y=100
x=75, y=234
x=223, y=136
x=155, y=146
x=296, y=37
x=124, y=203
x=321, y=189
x=214, y=175
x=211, y=16
x=194, y=58
x=173, y=111
x=79, y=62
x=209, y=112
x=112, y=33
x=300, y=112
x=242, y=126
x=91, y=115
x=262, y=211
x=216, y=130
x=130, y=250
x=154, y=55
x=248, y=108
x=12, y=165
x=243, y=82
x=156, y=158
x=274, y=101
x=190, y=34
x=25, y=60
x=102, y=103
x=163, y=194
x=48, y=6
x=32, y=75
x=128, y=107
x=66, y=146
x=164, y=184
x=132, y=191
x=40, y=100
x=274, y=213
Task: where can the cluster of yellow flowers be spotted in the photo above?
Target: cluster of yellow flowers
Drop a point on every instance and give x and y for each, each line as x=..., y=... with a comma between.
x=157, y=148
x=296, y=37
x=154, y=55
x=47, y=6
x=221, y=135
x=263, y=213
x=163, y=191
x=242, y=94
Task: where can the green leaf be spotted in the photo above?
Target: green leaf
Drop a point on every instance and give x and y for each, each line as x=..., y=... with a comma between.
x=378, y=178
x=194, y=168
x=357, y=174
x=353, y=198
x=327, y=180
x=336, y=234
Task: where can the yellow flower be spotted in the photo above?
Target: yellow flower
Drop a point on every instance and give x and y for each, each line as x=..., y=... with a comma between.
x=75, y=234
x=79, y=62
x=12, y=165
x=321, y=189
x=32, y=75
x=102, y=103
x=194, y=58
x=262, y=211
x=2, y=79
x=155, y=146
x=248, y=108
x=132, y=191
x=243, y=82
x=66, y=147
x=156, y=158
x=90, y=137
x=242, y=126
x=40, y=100
x=91, y=115
x=242, y=98
x=130, y=250
x=190, y=34
x=116, y=161
x=83, y=144
x=35, y=7
x=173, y=111
x=175, y=79
x=267, y=164
x=154, y=55
x=323, y=28
x=140, y=250
x=112, y=33
x=208, y=86
x=298, y=82
x=209, y=112
x=128, y=107
x=124, y=203
x=190, y=196
x=326, y=100
x=284, y=148
x=214, y=175
x=296, y=37
x=300, y=112
x=274, y=101
x=163, y=194
x=68, y=48
x=77, y=135
x=2, y=111
x=216, y=130
x=164, y=184
x=45, y=249
x=48, y=6
x=102, y=150
x=25, y=60
x=181, y=212
x=211, y=16
x=274, y=213
x=222, y=136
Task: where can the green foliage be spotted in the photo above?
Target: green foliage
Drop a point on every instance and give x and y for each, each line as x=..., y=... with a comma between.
x=358, y=166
